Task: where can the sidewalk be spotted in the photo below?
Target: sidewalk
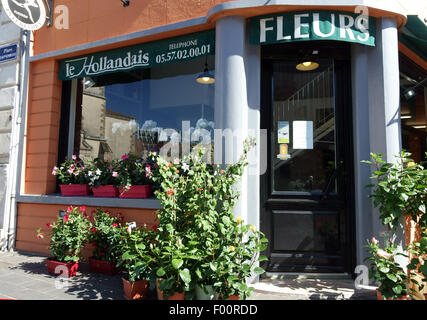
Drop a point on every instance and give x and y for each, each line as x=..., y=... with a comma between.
x=23, y=276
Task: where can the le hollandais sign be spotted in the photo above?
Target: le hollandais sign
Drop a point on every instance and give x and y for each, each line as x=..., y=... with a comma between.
x=313, y=25
x=145, y=55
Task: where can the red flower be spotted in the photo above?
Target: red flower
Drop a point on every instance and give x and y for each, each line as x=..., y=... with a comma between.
x=83, y=209
x=66, y=218
x=48, y=225
x=115, y=225
x=69, y=209
x=171, y=191
x=155, y=228
x=93, y=229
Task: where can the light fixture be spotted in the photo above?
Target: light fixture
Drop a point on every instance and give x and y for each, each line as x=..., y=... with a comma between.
x=206, y=77
x=409, y=93
x=307, y=65
x=125, y=3
x=406, y=116
x=89, y=82
x=419, y=127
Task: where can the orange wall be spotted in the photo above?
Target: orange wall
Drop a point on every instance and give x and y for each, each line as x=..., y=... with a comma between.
x=32, y=216
x=102, y=19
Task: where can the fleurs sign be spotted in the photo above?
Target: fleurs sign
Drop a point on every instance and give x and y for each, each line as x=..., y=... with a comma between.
x=145, y=55
x=27, y=14
x=313, y=25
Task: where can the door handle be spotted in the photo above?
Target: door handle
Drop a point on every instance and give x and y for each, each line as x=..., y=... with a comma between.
x=331, y=179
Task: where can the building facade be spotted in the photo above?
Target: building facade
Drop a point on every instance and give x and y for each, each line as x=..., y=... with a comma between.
x=319, y=85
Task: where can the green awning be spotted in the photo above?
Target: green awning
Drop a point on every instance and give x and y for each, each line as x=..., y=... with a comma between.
x=414, y=36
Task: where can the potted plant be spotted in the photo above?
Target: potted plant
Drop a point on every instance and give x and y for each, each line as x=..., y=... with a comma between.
x=68, y=235
x=194, y=224
x=105, y=234
x=134, y=177
x=104, y=178
x=392, y=279
x=137, y=261
x=399, y=192
x=73, y=178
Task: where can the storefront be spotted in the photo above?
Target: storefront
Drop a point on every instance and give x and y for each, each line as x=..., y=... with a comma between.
x=317, y=85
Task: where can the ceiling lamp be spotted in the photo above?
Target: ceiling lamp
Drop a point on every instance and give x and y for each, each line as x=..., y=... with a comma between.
x=308, y=63
x=409, y=93
x=206, y=77
x=88, y=82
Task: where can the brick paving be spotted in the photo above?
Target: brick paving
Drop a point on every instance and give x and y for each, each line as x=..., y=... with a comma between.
x=23, y=276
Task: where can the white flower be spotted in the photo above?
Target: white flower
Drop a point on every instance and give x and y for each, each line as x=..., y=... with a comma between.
x=90, y=173
x=176, y=161
x=98, y=172
x=185, y=167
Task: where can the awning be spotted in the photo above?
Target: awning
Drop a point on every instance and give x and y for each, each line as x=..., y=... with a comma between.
x=414, y=36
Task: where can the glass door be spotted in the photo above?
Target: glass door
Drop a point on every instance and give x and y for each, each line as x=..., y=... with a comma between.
x=307, y=206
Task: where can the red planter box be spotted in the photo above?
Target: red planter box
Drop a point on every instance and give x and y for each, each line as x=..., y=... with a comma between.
x=61, y=268
x=73, y=190
x=104, y=267
x=108, y=191
x=137, y=192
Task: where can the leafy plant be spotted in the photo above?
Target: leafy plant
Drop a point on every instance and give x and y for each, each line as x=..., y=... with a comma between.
x=137, y=259
x=71, y=171
x=68, y=235
x=132, y=170
x=196, y=225
x=392, y=279
x=105, y=234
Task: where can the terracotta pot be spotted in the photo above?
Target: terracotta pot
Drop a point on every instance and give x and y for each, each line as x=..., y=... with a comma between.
x=175, y=296
x=61, y=268
x=104, y=267
x=137, y=192
x=108, y=191
x=234, y=297
x=379, y=297
x=135, y=290
x=74, y=190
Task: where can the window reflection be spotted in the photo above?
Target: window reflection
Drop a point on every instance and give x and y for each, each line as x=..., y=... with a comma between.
x=140, y=111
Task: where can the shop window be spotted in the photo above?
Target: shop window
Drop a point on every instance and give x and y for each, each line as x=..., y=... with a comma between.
x=141, y=111
x=413, y=106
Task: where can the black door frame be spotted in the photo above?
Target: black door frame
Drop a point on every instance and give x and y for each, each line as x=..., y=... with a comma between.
x=343, y=96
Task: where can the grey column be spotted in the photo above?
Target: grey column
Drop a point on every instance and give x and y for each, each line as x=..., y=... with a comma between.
x=231, y=105
x=376, y=122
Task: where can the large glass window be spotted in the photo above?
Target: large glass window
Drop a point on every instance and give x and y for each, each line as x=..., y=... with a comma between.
x=140, y=111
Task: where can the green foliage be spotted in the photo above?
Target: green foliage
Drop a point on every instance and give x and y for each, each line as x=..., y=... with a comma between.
x=71, y=171
x=105, y=234
x=136, y=256
x=197, y=229
x=398, y=188
x=68, y=235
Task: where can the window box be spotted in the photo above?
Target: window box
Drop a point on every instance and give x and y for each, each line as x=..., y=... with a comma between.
x=108, y=191
x=137, y=192
x=72, y=190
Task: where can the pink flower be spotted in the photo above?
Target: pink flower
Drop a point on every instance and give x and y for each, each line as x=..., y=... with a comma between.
x=374, y=241
x=70, y=208
x=70, y=171
x=115, y=225
x=74, y=157
x=82, y=208
x=115, y=174
x=111, y=167
x=124, y=157
x=66, y=218
x=381, y=253
x=40, y=236
x=54, y=171
x=176, y=161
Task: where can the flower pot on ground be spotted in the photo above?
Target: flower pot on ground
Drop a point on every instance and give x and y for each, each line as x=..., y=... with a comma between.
x=105, y=235
x=61, y=268
x=136, y=192
x=379, y=296
x=108, y=191
x=68, y=235
x=104, y=267
x=135, y=290
x=172, y=295
x=205, y=292
x=75, y=190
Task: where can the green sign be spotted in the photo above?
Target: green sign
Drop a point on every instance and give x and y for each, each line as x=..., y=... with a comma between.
x=145, y=55
x=313, y=25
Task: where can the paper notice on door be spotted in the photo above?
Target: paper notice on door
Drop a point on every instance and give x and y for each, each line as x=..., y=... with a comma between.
x=302, y=134
x=283, y=131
